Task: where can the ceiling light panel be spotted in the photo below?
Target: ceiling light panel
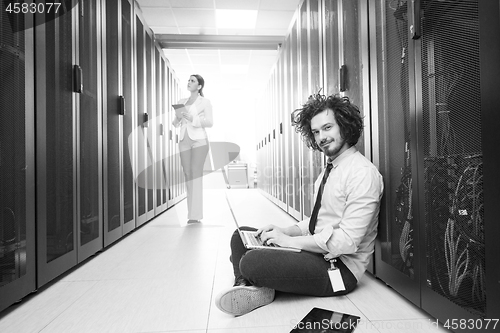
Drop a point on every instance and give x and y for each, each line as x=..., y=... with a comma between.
x=234, y=18
x=237, y=4
x=192, y=18
x=189, y=3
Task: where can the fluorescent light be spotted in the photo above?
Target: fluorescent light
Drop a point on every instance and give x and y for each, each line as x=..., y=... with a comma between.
x=235, y=19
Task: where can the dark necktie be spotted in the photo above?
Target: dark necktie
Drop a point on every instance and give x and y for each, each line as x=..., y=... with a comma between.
x=317, y=205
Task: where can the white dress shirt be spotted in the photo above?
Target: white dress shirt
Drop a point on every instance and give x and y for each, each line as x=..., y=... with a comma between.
x=348, y=216
x=201, y=111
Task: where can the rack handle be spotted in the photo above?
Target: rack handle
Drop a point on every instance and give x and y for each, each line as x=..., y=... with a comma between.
x=343, y=78
x=122, y=105
x=78, y=78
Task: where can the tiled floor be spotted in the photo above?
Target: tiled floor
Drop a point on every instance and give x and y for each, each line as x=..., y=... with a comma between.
x=164, y=277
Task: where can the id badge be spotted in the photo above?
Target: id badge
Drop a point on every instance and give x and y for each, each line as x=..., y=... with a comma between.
x=335, y=277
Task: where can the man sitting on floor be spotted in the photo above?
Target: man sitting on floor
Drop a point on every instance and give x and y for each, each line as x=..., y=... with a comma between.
x=342, y=227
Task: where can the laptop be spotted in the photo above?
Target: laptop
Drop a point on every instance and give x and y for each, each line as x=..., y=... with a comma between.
x=250, y=239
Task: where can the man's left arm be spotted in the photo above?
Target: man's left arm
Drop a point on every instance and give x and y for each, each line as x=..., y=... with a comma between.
x=363, y=193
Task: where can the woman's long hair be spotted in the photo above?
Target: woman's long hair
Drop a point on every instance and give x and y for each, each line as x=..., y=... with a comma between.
x=201, y=82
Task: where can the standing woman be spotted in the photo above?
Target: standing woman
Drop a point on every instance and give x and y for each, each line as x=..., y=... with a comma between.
x=194, y=144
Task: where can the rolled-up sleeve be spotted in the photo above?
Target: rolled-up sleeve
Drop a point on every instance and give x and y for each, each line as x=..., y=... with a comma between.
x=304, y=227
x=205, y=117
x=361, y=196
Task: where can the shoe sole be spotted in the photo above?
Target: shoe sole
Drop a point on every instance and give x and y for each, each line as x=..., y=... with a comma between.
x=240, y=300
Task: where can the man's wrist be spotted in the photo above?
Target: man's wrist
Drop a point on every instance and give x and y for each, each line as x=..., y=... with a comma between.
x=292, y=231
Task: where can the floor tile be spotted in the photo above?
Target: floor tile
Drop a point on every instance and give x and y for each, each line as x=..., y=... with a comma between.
x=39, y=309
x=139, y=306
x=377, y=301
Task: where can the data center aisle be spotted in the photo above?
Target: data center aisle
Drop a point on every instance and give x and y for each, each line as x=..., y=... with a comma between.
x=164, y=278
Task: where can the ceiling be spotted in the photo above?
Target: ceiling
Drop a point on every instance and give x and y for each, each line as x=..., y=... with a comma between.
x=227, y=70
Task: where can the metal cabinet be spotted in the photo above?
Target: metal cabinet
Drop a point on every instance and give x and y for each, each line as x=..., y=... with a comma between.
x=56, y=145
x=17, y=159
x=435, y=105
x=118, y=153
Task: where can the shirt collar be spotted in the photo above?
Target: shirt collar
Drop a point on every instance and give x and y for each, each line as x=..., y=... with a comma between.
x=335, y=163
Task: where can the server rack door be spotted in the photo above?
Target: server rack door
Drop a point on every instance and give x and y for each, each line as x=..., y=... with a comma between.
x=56, y=145
x=170, y=138
x=180, y=172
x=177, y=162
x=175, y=147
x=164, y=134
x=451, y=182
x=175, y=131
x=272, y=129
x=279, y=137
x=141, y=129
x=112, y=125
x=274, y=115
x=315, y=74
x=287, y=126
x=330, y=45
x=307, y=183
x=297, y=148
x=90, y=222
x=284, y=118
x=128, y=118
x=158, y=136
x=354, y=21
x=150, y=130
x=396, y=258
x=17, y=159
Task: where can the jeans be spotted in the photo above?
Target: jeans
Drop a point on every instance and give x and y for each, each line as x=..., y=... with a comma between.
x=193, y=155
x=304, y=273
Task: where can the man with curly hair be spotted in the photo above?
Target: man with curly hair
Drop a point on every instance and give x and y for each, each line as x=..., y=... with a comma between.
x=342, y=227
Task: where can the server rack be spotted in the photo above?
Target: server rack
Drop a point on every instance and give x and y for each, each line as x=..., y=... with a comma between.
x=89, y=132
x=128, y=118
x=283, y=122
x=432, y=86
x=295, y=209
x=170, y=139
x=113, y=110
x=163, y=137
x=141, y=171
x=150, y=125
x=118, y=153
x=56, y=130
x=157, y=161
x=331, y=38
x=17, y=159
x=315, y=73
x=306, y=165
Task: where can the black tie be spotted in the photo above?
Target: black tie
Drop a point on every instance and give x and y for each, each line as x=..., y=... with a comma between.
x=317, y=205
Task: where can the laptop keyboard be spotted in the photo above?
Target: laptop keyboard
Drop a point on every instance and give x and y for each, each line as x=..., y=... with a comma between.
x=253, y=240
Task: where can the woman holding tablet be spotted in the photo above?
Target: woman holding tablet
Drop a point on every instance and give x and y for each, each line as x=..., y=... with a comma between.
x=193, y=143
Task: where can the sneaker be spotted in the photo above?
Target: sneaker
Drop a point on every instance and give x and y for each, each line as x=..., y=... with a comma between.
x=193, y=221
x=240, y=300
x=241, y=281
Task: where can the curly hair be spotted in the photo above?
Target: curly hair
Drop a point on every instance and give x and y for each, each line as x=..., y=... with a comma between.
x=346, y=114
